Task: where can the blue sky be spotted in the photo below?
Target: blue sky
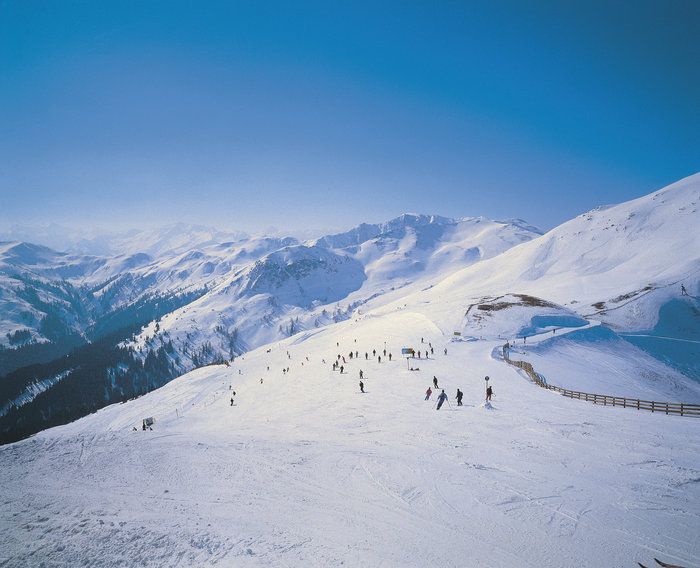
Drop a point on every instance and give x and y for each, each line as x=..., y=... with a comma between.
x=306, y=115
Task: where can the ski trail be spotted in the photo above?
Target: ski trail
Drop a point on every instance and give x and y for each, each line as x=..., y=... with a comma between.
x=383, y=487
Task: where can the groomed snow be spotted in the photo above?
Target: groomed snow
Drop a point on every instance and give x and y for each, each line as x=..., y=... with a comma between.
x=306, y=471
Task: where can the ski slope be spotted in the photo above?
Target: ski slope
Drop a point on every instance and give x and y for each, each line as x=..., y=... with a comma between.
x=305, y=471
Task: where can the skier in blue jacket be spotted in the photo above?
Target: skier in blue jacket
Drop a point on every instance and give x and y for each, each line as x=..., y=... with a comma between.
x=441, y=398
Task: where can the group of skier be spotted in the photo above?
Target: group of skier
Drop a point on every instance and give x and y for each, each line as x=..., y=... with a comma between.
x=442, y=397
x=341, y=361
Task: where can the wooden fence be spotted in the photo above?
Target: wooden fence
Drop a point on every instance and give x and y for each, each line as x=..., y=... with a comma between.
x=606, y=400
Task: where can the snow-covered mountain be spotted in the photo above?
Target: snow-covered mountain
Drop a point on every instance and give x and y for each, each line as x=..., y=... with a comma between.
x=209, y=301
x=633, y=266
x=305, y=286
x=299, y=468
x=276, y=459
x=170, y=263
x=619, y=263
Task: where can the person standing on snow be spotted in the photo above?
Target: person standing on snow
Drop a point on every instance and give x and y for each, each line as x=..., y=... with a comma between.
x=362, y=386
x=361, y=373
x=441, y=398
x=489, y=392
x=435, y=382
x=428, y=393
x=459, y=397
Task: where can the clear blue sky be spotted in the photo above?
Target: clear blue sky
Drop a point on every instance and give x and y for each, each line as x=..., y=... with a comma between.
x=244, y=115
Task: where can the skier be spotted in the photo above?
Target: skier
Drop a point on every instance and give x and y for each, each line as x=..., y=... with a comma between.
x=341, y=369
x=379, y=359
x=441, y=398
x=428, y=393
x=362, y=386
x=459, y=397
x=360, y=373
x=435, y=382
x=232, y=395
x=489, y=392
x=445, y=350
x=389, y=356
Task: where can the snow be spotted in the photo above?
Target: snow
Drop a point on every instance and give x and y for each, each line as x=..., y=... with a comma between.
x=304, y=470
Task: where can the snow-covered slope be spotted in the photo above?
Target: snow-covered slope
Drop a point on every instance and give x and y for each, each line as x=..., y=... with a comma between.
x=304, y=470
x=619, y=263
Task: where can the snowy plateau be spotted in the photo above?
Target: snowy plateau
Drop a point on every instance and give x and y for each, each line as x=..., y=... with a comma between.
x=265, y=452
